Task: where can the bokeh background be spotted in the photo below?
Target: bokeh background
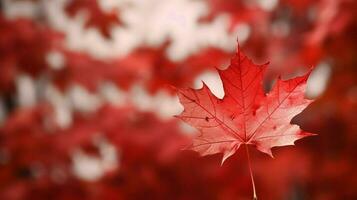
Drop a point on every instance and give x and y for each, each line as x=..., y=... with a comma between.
x=86, y=100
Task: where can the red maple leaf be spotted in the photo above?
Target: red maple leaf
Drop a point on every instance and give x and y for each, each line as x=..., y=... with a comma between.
x=245, y=115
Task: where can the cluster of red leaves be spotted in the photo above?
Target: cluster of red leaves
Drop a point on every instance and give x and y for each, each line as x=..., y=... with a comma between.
x=294, y=33
x=26, y=44
x=80, y=68
x=161, y=72
x=36, y=160
x=35, y=156
x=23, y=49
x=149, y=65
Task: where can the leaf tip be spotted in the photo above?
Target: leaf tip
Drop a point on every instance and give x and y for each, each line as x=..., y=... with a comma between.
x=227, y=154
x=270, y=153
x=307, y=134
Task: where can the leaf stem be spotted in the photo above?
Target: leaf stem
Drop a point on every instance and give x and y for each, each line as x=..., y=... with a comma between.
x=251, y=174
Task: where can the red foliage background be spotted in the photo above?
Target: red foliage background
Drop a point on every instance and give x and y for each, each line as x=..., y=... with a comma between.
x=56, y=145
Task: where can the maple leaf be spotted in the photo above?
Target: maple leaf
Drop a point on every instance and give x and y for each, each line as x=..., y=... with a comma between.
x=96, y=17
x=245, y=115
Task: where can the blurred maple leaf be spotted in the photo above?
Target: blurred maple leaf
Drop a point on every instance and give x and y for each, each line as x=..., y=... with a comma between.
x=96, y=16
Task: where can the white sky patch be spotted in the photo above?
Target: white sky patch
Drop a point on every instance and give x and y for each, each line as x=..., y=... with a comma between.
x=61, y=105
x=26, y=91
x=55, y=60
x=91, y=168
x=112, y=94
x=86, y=167
x=243, y=32
x=268, y=5
x=212, y=80
x=109, y=5
x=83, y=100
x=162, y=103
x=318, y=80
x=14, y=9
